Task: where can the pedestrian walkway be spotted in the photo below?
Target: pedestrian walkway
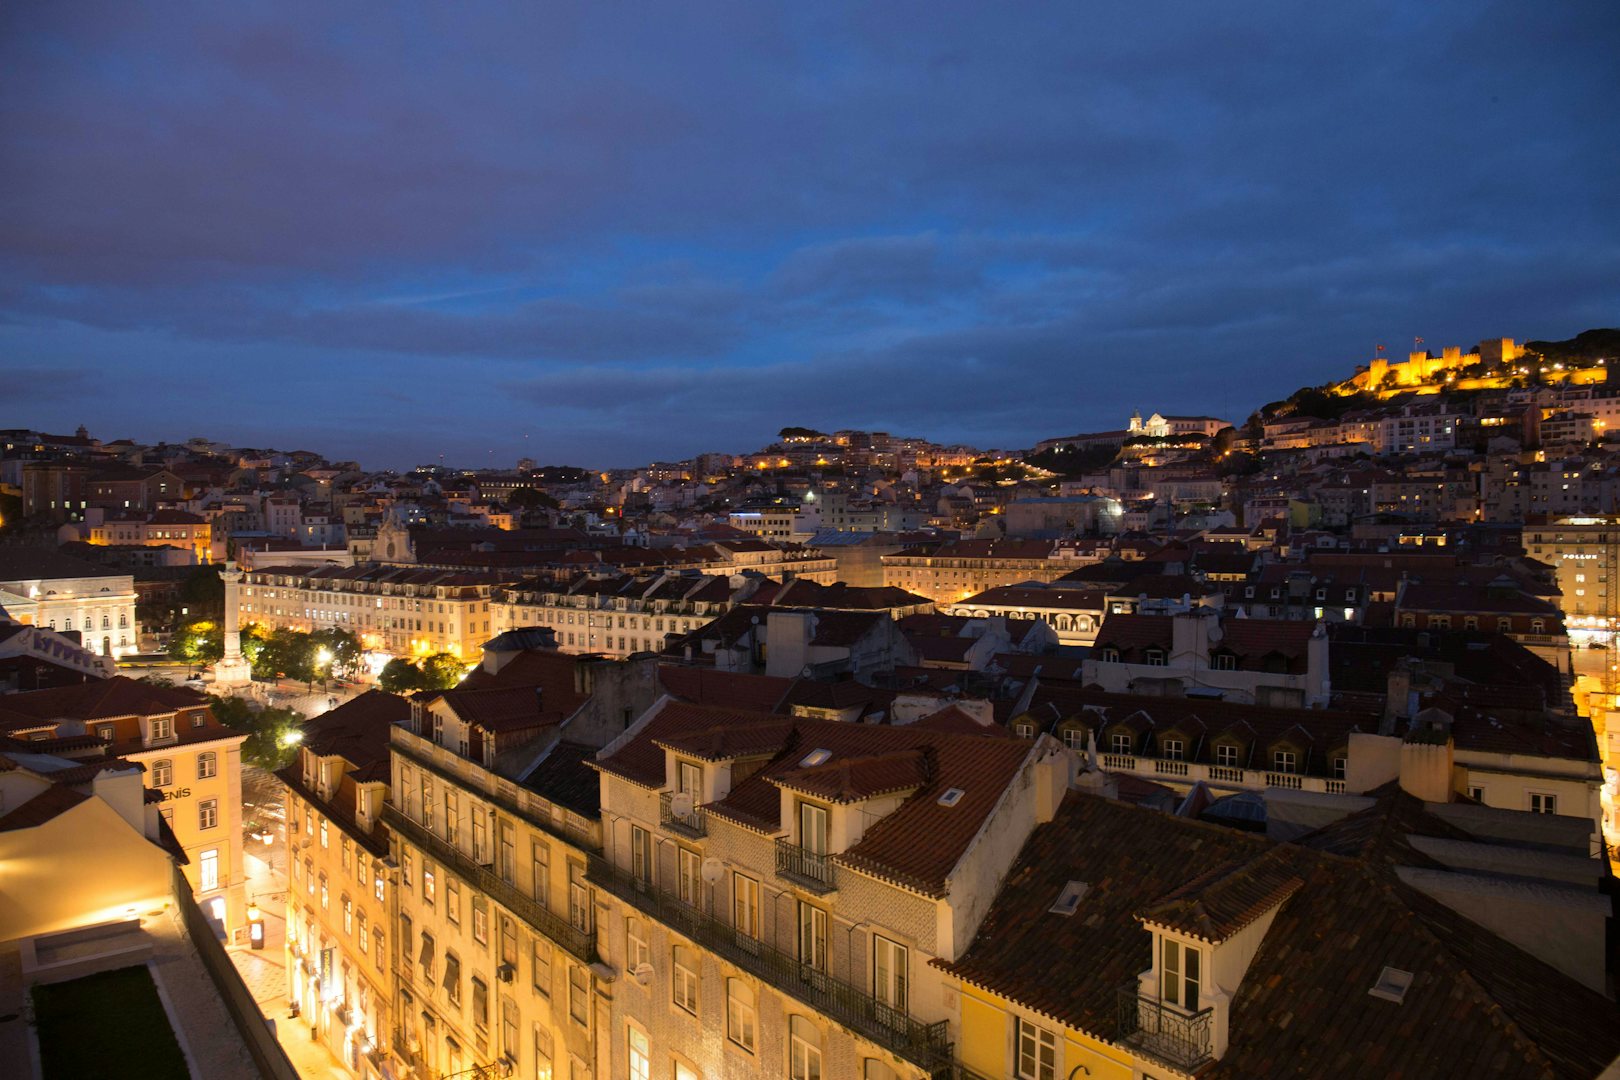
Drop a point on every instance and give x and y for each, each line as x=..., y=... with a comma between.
x=202, y=1024
x=265, y=970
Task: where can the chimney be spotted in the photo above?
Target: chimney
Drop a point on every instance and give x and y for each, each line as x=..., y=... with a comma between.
x=1427, y=757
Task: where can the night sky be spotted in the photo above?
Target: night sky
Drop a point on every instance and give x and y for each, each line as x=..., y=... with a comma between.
x=606, y=233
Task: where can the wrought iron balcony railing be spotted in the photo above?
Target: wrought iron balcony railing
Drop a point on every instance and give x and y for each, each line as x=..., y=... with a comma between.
x=809, y=868
x=688, y=824
x=581, y=943
x=925, y=1045
x=1176, y=1038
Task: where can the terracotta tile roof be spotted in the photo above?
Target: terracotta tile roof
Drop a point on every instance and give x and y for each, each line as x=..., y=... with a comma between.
x=728, y=741
x=1476, y=1006
x=28, y=564
x=1132, y=633
x=104, y=699
x=1224, y=900
x=565, y=777
x=704, y=686
x=952, y=720
x=46, y=806
x=500, y=708
x=641, y=760
x=1055, y=596
x=357, y=730
x=854, y=779
x=550, y=676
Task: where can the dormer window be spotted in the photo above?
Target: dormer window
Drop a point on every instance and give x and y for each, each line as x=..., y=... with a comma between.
x=1074, y=738
x=1171, y=749
x=1225, y=662
x=162, y=728
x=1283, y=761
x=1537, y=626
x=1110, y=656
x=1024, y=730
x=813, y=828
x=1179, y=975
x=1120, y=742
x=1154, y=658
x=1226, y=754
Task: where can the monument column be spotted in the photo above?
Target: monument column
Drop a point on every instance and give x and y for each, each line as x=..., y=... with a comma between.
x=232, y=669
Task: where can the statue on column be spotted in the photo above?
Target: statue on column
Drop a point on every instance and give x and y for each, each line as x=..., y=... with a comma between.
x=232, y=670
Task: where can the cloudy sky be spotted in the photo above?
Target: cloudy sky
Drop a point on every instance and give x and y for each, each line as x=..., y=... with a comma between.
x=603, y=233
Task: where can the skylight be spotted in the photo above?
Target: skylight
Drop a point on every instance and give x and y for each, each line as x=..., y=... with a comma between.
x=1069, y=899
x=1392, y=985
x=814, y=757
x=951, y=797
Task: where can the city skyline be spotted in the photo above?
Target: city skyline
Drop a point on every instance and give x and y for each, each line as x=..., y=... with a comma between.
x=609, y=243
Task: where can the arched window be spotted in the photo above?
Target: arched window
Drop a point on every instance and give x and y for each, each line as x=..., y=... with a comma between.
x=207, y=764
x=741, y=1023
x=804, y=1049
x=162, y=772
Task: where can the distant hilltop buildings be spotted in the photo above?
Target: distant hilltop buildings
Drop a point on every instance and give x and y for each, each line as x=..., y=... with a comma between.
x=1493, y=365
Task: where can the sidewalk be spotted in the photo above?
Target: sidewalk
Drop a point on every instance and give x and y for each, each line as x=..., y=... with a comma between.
x=265, y=970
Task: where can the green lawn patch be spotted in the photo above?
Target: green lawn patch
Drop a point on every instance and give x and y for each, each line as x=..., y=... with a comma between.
x=106, y=1026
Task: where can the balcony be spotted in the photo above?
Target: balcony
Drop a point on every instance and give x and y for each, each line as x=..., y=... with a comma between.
x=1178, y=1039
x=581, y=943
x=689, y=824
x=925, y=1045
x=811, y=869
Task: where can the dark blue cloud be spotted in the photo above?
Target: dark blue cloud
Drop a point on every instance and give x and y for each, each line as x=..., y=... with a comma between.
x=604, y=234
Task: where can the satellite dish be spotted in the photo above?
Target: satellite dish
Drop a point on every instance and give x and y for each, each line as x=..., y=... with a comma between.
x=681, y=804
x=642, y=973
x=713, y=870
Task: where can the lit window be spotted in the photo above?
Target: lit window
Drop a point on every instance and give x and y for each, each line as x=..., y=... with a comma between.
x=741, y=1025
x=162, y=772
x=1037, y=1052
x=640, y=1055
x=804, y=1051
x=208, y=813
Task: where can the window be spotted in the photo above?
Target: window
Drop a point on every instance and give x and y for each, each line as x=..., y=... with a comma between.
x=636, y=952
x=1225, y=662
x=1171, y=749
x=579, y=994
x=207, y=764
x=377, y=947
x=510, y=1023
x=1178, y=978
x=745, y=905
x=480, y=916
x=1282, y=761
x=1154, y=658
x=1074, y=738
x=452, y=977
x=685, y=981
x=804, y=1049
x=1543, y=803
x=1226, y=754
x=208, y=813
x=162, y=727
x=323, y=892
x=480, y=1003
x=542, y=1052
x=452, y=900
x=208, y=870
x=640, y=1055
x=406, y=868
x=812, y=937
x=689, y=779
x=540, y=967
x=1110, y=656
x=640, y=854
x=889, y=972
x=1339, y=766
x=430, y=888
x=348, y=914
x=539, y=866
x=740, y=1018
x=361, y=936
x=378, y=884
x=324, y=844
x=162, y=772
x=1037, y=1052
x=813, y=828
x=1120, y=742
x=688, y=878
x=579, y=898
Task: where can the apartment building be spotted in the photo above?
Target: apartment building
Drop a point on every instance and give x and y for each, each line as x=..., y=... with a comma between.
x=616, y=615
x=1584, y=552
x=165, y=528
x=494, y=816
x=1074, y=614
x=394, y=610
x=341, y=881
x=955, y=571
x=192, y=763
x=776, y=888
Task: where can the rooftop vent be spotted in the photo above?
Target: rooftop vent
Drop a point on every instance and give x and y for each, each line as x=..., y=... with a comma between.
x=951, y=797
x=1069, y=899
x=1392, y=985
x=814, y=757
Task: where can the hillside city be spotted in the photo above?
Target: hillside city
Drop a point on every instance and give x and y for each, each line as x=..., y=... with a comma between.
x=1199, y=746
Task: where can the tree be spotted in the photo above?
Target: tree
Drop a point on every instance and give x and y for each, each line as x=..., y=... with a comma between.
x=341, y=649
x=441, y=671
x=527, y=499
x=201, y=642
x=400, y=676
x=286, y=652
x=272, y=734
